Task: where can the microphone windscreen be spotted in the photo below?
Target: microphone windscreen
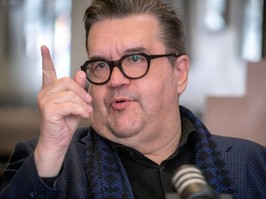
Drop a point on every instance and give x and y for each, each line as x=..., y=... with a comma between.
x=190, y=183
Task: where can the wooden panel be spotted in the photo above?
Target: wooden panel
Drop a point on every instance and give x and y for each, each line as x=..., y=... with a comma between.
x=241, y=117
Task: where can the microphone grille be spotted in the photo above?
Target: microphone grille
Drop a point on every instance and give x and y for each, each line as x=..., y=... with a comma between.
x=189, y=182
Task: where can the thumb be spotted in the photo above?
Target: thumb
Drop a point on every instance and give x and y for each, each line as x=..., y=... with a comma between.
x=48, y=70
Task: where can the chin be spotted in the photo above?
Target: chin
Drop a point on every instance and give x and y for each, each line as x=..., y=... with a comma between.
x=124, y=133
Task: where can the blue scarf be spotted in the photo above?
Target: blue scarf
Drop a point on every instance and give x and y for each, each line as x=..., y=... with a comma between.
x=107, y=177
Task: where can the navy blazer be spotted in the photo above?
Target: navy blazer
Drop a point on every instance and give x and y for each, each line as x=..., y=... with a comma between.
x=244, y=162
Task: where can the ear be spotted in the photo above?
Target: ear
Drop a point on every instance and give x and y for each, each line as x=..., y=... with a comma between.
x=181, y=72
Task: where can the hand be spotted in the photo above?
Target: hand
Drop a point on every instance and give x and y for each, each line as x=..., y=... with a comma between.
x=62, y=103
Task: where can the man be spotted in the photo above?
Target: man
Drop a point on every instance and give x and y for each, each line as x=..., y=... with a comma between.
x=139, y=135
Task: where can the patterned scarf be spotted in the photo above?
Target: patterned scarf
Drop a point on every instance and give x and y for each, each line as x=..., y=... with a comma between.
x=107, y=177
x=208, y=158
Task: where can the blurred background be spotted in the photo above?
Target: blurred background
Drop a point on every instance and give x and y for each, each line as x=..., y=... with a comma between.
x=226, y=44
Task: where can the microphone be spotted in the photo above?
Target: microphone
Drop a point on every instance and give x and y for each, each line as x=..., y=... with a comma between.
x=190, y=183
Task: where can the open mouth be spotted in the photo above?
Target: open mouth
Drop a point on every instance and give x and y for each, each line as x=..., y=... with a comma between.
x=120, y=101
x=120, y=104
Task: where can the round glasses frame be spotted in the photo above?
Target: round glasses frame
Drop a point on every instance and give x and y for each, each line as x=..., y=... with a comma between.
x=119, y=64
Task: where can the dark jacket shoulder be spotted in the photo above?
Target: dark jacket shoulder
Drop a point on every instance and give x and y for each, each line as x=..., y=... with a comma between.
x=238, y=145
x=246, y=162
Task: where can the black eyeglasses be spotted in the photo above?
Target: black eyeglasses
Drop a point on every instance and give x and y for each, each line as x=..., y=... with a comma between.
x=134, y=66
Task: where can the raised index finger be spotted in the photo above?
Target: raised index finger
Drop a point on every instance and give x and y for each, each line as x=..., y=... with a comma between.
x=48, y=70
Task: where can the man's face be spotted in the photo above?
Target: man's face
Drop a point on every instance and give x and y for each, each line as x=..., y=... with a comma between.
x=128, y=111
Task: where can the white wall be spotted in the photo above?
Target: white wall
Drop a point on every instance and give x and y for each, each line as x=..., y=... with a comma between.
x=217, y=67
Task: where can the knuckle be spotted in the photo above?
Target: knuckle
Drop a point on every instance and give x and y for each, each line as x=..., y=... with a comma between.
x=66, y=80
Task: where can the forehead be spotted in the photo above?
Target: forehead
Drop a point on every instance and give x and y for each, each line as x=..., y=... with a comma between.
x=112, y=37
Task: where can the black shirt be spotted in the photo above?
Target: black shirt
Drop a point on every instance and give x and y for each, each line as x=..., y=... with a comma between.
x=147, y=178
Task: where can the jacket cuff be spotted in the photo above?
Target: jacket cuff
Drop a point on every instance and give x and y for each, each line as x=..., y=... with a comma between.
x=28, y=184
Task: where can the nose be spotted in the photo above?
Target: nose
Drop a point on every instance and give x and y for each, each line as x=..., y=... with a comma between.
x=117, y=78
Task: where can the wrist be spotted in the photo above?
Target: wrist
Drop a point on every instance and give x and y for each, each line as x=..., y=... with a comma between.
x=48, y=160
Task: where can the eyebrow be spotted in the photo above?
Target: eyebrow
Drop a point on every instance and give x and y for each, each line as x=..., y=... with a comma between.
x=126, y=52
x=135, y=50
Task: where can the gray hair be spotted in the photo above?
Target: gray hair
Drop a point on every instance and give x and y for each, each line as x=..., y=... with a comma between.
x=171, y=27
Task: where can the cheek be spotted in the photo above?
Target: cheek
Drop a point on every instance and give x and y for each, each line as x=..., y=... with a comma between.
x=167, y=91
x=97, y=98
x=95, y=92
x=159, y=93
x=165, y=80
x=99, y=109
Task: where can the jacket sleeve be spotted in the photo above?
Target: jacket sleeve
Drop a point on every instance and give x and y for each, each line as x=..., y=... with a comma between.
x=21, y=179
